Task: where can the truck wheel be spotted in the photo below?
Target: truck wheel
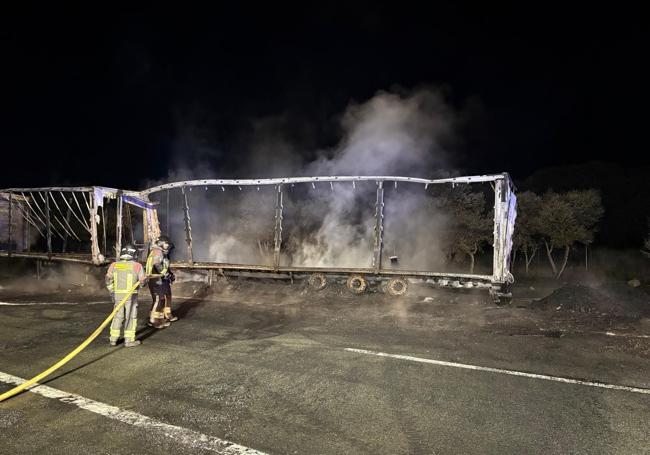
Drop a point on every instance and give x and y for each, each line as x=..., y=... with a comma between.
x=317, y=281
x=357, y=284
x=397, y=286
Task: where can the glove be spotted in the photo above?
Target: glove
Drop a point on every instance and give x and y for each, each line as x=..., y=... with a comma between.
x=171, y=277
x=112, y=295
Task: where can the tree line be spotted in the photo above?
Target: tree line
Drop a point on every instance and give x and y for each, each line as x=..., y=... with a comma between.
x=556, y=222
x=551, y=224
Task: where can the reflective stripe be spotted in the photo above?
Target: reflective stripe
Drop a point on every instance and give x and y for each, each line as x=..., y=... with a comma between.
x=129, y=285
x=149, y=266
x=115, y=333
x=123, y=270
x=150, y=259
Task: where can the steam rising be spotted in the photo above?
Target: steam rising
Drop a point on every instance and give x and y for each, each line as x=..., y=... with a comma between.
x=390, y=134
x=387, y=135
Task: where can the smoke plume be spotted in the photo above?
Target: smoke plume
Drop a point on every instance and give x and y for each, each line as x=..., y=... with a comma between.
x=394, y=133
x=391, y=134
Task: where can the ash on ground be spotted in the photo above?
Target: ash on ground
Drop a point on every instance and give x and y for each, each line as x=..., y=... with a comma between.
x=606, y=303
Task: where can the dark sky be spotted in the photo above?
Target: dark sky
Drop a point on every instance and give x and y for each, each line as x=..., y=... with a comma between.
x=97, y=97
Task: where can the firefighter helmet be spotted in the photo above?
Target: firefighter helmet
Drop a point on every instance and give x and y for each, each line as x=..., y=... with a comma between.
x=128, y=252
x=162, y=240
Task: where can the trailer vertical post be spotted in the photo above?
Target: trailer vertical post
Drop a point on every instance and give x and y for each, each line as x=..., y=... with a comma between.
x=150, y=223
x=504, y=218
x=497, y=256
x=94, y=247
x=27, y=244
x=167, y=217
x=118, y=226
x=67, y=220
x=130, y=221
x=379, y=227
x=278, y=228
x=145, y=227
x=104, y=232
x=49, y=228
x=188, y=227
x=10, y=223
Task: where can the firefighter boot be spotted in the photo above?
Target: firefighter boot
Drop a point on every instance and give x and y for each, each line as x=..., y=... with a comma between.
x=167, y=311
x=157, y=320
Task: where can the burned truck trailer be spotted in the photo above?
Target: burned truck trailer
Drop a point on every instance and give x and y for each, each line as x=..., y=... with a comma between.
x=89, y=225
x=72, y=224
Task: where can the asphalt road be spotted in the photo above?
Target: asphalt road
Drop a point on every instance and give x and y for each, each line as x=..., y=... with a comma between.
x=265, y=366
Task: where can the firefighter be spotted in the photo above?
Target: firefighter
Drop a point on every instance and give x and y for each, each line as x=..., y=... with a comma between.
x=161, y=278
x=120, y=278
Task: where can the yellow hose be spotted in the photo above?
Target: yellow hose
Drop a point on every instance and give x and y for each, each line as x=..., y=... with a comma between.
x=72, y=354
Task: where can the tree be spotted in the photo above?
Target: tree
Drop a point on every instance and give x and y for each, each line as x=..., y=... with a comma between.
x=588, y=211
x=527, y=234
x=469, y=226
x=568, y=218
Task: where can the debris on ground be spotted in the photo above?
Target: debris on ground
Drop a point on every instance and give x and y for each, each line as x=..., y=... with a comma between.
x=634, y=283
x=610, y=301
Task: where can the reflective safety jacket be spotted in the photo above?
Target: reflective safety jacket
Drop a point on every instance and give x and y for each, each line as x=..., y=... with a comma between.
x=122, y=275
x=157, y=263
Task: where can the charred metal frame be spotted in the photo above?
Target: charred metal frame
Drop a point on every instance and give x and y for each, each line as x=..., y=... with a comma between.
x=40, y=210
x=504, y=216
x=379, y=227
x=504, y=213
x=188, y=227
x=10, y=221
x=277, y=241
x=118, y=228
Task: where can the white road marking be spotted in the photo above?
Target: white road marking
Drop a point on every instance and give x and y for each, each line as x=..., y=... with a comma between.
x=624, y=335
x=465, y=366
x=592, y=332
x=182, y=435
x=51, y=303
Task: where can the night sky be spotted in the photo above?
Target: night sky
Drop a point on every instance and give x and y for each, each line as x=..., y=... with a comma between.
x=103, y=97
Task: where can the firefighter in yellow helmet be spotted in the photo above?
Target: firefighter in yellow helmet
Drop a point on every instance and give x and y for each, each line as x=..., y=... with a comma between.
x=120, y=278
x=161, y=278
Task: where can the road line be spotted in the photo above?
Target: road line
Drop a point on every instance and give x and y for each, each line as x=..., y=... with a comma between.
x=465, y=366
x=624, y=335
x=182, y=435
x=51, y=303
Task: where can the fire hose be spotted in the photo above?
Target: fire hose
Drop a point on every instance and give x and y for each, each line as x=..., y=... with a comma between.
x=73, y=353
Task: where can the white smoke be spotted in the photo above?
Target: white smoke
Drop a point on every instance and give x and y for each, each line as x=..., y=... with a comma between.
x=393, y=133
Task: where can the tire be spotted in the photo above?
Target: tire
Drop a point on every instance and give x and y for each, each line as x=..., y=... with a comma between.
x=317, y=281
x=357, y=284
x=397, y=287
